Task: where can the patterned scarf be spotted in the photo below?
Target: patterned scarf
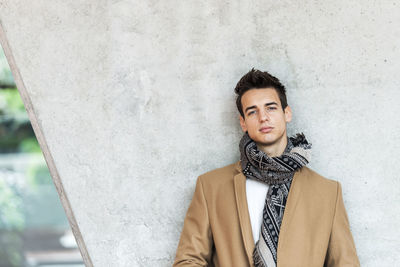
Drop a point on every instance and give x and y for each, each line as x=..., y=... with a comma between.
x=278, y=173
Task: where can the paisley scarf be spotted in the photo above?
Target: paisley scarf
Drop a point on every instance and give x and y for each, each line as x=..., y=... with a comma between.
x=278, y=173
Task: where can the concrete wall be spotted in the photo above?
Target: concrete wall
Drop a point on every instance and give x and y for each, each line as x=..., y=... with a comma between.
x=132, y=100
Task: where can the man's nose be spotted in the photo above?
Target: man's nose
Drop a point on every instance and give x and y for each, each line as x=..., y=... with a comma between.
x=263, y=115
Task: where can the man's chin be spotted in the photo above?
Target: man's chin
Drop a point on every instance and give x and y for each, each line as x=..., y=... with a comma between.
x=265, y=141
x=265, y=144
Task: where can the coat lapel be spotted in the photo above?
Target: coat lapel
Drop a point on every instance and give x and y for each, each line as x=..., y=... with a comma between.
x=244, y=217
x=243, y=212
x=286, y=227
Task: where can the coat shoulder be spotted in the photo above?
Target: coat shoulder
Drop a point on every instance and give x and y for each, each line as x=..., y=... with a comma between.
x=317, y=177
x=220, y=175
x=318, y=183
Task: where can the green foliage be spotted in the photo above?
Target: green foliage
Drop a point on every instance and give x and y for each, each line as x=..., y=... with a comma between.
x=11, y=101
x=29, y=145
x=11, y=248
x=12, y=222
x=11, y=215
x=15, y=128
x=38, y=174
x=6, y=77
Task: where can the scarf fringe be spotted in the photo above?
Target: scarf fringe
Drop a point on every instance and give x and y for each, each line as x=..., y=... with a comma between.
x=300, y=140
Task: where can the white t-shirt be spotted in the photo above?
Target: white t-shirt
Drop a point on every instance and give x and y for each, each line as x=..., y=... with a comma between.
x=256, y=192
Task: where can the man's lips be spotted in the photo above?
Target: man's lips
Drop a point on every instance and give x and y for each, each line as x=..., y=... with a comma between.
x=266, y=129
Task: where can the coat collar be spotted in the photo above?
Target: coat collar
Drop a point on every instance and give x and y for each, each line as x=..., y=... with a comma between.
x=244, y=217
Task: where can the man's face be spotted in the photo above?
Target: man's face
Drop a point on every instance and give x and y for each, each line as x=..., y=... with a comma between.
x=264, y=118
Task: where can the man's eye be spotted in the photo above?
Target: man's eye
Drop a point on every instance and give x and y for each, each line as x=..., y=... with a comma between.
x=251, y=112
x=272, y=108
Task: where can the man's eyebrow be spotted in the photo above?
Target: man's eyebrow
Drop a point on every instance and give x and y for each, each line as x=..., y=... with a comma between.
x=266, y=104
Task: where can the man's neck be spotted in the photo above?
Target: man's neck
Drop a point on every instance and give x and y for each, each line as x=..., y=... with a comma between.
x=274, y=150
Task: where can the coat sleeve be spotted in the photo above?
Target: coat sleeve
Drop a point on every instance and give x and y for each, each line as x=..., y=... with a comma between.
x=341, y=249
x=196, y=243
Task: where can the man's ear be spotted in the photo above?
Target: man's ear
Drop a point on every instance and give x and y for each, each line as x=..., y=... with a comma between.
x=242, y=124
x=288, y=114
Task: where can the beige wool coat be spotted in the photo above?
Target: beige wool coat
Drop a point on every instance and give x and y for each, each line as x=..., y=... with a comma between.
x=217, y=231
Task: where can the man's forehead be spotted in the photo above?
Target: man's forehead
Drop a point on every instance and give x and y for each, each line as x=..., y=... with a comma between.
x=260, y=96
x=261, y=92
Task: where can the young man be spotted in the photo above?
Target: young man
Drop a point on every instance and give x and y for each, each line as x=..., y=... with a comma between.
x=267, y=209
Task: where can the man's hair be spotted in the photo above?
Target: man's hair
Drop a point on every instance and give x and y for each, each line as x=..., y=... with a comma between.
x=256, y=79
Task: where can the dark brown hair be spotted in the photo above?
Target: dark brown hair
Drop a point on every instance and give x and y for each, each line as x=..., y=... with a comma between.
x=256, y=79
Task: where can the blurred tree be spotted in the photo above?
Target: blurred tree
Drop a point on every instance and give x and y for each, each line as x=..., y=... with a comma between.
x=16, y=133
x=6, y=78
x=11, y=225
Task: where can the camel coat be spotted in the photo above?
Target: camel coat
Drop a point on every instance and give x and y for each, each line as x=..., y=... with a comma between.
x=315, y=230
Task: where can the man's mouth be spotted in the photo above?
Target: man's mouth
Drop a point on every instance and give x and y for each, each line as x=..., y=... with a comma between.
x=266, y=129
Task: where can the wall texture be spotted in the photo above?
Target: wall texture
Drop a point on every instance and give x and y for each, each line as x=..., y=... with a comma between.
x=132, y=100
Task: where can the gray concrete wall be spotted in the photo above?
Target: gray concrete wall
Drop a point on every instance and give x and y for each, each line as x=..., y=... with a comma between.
x=132, y=100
